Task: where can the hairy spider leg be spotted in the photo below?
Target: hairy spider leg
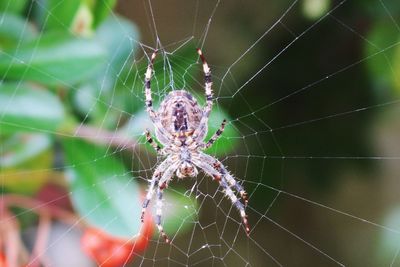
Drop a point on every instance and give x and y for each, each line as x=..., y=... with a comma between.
x=166, y=177
x=221, y=178
x=149, y=195
x=151, y=141
x=232, y=181
x=221, y=169
x=159, y=205
x=147, y=84
x=149, y=101
x=216, y=135
x=235, y=201
x=153, y=183
x=201, y=130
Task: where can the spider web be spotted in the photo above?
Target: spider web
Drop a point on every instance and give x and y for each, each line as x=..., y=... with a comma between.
x=319, y=167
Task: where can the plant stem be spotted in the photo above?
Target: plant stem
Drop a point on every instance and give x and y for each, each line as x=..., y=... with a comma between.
x=43, y=231
x=103, y=137
x=9, y=228
x=39, y=207
x=10, y=232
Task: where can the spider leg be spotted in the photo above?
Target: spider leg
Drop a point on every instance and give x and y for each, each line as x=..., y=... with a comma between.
x=221, y=169
x=166, y=177
x=216, y=135
x=151, y=141
x=243, y=194
x=153, y=183
x=201, y=130
x=149, y=101
x=149, y=195
x=207, y=79
x=222, y=179
x=147, y=83
x=159, y=214
x=239, y=205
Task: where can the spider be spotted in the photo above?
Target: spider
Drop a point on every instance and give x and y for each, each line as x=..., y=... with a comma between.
x=181, y=126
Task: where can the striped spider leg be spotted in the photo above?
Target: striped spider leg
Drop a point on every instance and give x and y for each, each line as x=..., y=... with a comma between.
x=215, y=169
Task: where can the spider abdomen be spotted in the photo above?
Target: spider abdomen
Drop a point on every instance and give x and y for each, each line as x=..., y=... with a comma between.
x=180, y=117
x=180, y=113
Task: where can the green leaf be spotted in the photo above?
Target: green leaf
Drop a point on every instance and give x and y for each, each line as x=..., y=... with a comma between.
x=396, y=70
x=101, y=10
x=60, y=14
x=14, y=29
x=120, y=37
x=382, y=35
x=87, y=103
x=95, y=105
x=107, y=89
x=26, y=108
x=180, y=211
x=136, y=126
x=13, y=6
x=23, y=159
x=103, y=191
x=53, y=59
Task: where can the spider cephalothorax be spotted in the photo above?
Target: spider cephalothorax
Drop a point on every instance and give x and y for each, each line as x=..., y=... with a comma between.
x=181, y=126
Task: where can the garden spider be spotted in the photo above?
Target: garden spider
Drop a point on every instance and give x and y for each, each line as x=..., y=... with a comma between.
x=181, y=126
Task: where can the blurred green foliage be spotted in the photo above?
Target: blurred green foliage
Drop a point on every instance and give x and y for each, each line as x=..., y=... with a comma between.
x=25, y=107
x=24, y=159
x=102, y=188
x=53, y=59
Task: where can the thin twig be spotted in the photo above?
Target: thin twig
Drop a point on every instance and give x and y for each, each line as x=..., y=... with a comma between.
x=9, y=228
x=10, y=232
x=42, y=235
x=39, y=207
x=103, y=137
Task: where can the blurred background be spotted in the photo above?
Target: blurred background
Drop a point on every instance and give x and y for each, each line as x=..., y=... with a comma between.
x=310, y=89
